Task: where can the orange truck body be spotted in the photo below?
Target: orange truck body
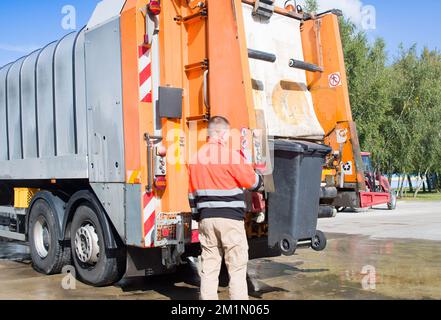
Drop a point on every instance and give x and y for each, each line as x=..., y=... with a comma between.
x=193, y=39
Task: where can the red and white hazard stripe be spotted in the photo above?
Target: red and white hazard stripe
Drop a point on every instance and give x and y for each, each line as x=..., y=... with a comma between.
x=145, y=74
x=149, y=215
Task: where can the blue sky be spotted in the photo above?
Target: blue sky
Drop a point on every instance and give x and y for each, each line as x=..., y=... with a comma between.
x=26, y=25
x=407, y=22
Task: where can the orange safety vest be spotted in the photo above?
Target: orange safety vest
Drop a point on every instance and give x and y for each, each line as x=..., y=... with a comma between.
x=218, y=177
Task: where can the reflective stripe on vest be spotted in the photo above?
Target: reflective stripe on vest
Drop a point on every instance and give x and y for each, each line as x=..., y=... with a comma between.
x=221, y=204
x=219, y=193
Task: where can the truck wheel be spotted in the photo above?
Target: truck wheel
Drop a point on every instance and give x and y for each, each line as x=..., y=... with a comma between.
x=319, y=241
x=92, y=262
x=392, y=205
x=48, y=255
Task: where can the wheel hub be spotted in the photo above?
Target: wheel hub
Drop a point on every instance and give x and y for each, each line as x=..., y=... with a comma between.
x=42, y=237
x=87, y=245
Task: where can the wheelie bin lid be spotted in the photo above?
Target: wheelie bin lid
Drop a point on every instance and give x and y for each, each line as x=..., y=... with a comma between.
x=303, y=147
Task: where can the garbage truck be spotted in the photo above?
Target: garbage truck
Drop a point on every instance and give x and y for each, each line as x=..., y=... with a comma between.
x=348, y=179
x=96, y=130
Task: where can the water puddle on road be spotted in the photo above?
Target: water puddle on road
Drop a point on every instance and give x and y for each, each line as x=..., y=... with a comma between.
x=355, y=267
x=351, y=267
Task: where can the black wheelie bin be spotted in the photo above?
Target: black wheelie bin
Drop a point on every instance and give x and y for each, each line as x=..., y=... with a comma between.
x=293, y=207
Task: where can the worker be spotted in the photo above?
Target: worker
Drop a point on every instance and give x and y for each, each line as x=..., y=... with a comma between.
x=218, y=177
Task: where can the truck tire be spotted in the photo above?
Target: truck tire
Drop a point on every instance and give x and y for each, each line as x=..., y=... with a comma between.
x=91, y=258
x=319, y=241
x=48, y=254
x=392, y=205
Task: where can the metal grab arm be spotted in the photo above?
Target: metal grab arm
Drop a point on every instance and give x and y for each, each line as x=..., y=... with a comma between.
x=261, y=55
x=297, y=64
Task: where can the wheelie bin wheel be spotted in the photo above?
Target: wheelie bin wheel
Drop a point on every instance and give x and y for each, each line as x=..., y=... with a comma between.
x=288, y=246
x=319, y=241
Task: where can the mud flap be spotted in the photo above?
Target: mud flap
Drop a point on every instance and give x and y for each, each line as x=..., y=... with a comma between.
x=293, y=208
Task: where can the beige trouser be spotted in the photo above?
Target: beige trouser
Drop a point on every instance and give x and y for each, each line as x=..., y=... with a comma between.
x=223, y=237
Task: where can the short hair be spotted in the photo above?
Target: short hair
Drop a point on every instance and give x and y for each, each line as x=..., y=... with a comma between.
x=215, y=122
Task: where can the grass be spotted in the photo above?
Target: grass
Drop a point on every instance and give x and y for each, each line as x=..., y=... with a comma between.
x=423, y=196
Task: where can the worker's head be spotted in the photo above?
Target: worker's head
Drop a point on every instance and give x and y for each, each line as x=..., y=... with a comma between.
x=219, y=128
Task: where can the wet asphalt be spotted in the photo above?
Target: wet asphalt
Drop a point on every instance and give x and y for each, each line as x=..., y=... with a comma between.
x=374, y=254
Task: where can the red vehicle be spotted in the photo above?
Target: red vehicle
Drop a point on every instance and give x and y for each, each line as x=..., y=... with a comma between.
x=378, y=190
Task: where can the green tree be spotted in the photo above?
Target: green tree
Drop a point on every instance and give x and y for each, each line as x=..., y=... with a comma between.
x=311, y=6
x=396, y=105
x=369, y=80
